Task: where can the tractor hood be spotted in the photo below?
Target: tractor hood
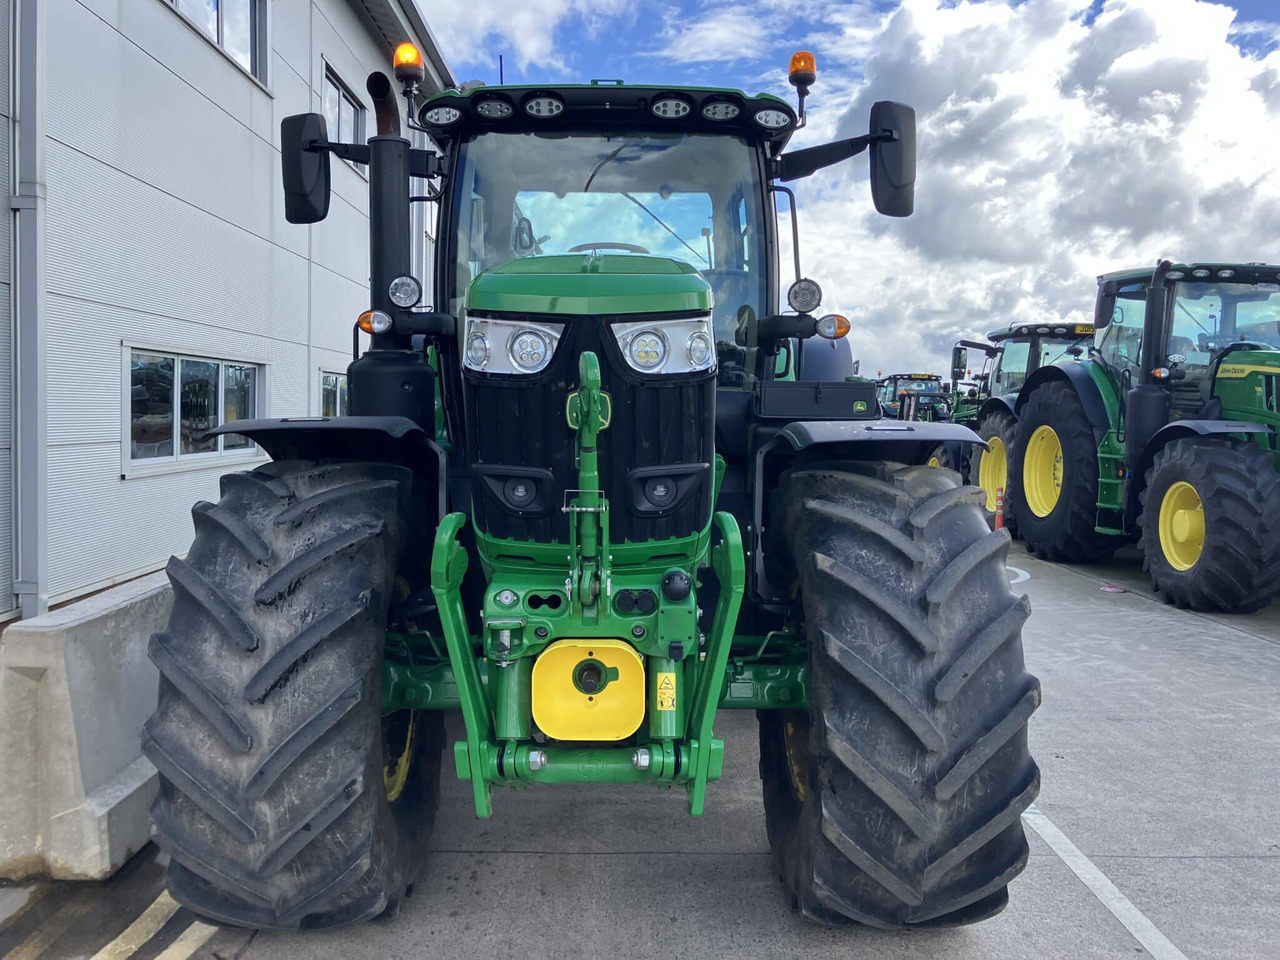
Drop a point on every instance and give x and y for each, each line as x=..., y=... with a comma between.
x=585, y=284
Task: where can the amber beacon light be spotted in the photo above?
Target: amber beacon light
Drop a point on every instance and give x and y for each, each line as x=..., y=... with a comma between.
x=408, y=64
x=803, y=70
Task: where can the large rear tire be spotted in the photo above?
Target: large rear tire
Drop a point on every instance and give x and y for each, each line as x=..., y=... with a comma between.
x=1054, y=468
x=276, y=804
x=895, y=801
x=991, y=466
x=1211, y=525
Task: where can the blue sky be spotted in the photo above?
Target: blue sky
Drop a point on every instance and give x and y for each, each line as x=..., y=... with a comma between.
x=1059, y=139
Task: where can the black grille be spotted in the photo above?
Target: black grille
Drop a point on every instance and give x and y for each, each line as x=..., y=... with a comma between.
x=516, y=427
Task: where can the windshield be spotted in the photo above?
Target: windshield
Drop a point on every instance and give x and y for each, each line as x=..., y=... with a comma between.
x=1210, y=316
x=692, y=197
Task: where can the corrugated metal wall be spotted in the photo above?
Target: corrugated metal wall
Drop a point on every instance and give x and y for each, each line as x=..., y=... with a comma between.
x=8, y=601
x=166, y=230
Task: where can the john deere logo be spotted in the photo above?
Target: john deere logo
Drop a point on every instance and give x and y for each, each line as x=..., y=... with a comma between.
x=860, y=406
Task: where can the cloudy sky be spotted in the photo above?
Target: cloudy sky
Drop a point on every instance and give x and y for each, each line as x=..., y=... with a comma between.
x=1058, y=138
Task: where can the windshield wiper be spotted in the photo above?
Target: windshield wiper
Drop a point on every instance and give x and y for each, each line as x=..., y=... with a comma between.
x=1178, y=304
x=596, y=169
x=657, y=219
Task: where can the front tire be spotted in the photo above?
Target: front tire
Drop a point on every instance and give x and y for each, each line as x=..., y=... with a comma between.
x=895, y=801
x=999, y=429
x=275, y=805
x=1055, y=471
x=1211, y=525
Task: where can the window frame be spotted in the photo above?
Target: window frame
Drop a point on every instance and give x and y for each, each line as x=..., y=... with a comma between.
x=347, y=93
x=259, y=70
x=177, y=461
x=342, y=376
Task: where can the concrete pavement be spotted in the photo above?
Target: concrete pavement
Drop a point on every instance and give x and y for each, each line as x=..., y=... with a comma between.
x=1159, y=742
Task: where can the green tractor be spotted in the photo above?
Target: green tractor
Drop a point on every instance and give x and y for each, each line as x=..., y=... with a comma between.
x=1009, y=358
x=1166, y=433
x=620, y=523
x=916, y=396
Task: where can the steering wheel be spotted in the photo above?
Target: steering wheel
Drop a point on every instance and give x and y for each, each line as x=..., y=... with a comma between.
x=608, y=245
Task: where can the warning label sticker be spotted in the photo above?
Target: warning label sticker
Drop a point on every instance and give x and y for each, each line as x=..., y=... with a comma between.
x=666, y=691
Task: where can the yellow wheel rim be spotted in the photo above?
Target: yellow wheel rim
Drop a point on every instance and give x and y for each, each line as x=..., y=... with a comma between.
x=1182, y=526
x=796, y=743
x=993, y=470
x=1042, y=471
x=934, y=462
x=399, y=755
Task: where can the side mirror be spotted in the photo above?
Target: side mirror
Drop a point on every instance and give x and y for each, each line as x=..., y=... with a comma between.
x=893, y=162
x=959, y=362
x=305, y=170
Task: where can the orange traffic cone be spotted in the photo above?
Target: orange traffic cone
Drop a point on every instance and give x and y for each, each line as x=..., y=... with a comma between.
x=999, y=508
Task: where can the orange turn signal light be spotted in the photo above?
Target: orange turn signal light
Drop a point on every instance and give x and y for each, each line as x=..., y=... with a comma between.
x=1161, y=373
x=374, y=321
x=408, y=64
x=803, y=70
x=833, y=326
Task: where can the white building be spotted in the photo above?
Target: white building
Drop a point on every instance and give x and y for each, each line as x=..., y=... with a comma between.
x=152, y=284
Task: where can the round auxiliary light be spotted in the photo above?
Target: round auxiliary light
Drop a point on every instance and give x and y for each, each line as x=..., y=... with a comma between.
x=721, y=110
x=441, y=116
x=772, y=119
x=647, y=350
x=660, y=491
x=1200, y=273
x=698, y=350
x=529, y=351
x=1226, y=274
x=1174, y=275
x=669, y=108
x=544, y=107
x=477, y=351
x=519, y=491
x=494, y=109
x=804, y=296
x=833, y=326
x=404, y=291
x=374, y=321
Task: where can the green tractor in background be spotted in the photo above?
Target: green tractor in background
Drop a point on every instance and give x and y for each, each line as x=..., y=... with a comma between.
x=1166, y=433
x=1009, y=358
x=575, y=503
x=916, y=396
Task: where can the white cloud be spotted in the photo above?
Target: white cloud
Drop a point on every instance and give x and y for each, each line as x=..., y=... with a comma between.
x=1050, y=152
x=476, y=31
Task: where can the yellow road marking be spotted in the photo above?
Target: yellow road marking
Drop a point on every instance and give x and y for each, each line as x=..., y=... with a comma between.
x=141, y=930
x=49, y=931
x=190, y=940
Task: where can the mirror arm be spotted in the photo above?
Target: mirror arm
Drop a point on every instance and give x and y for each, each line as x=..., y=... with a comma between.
x=795, y=225
x=802, y=163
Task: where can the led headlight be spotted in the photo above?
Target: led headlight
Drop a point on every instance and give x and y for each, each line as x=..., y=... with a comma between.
x=544, y=107
x=721, y=110
x=1200, y=273
x=1226, y=274
x=647, y=350
x=772, y=119
x=681, y=345
x=494, y=109
x=517, y=346
x=669, y=108
x=441, y=116
x=529, y=351
x=805, y=296
x=404, y=291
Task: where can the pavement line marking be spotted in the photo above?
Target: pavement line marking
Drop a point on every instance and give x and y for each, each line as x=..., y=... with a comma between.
x=188, y=942
x=1121, y=907
x=141, y=930
x=53, y=927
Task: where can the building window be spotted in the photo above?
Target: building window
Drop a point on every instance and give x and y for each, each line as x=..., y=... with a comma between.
x=333, y=394
x=174, y=401
x=343, y=113
x=238, y=26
